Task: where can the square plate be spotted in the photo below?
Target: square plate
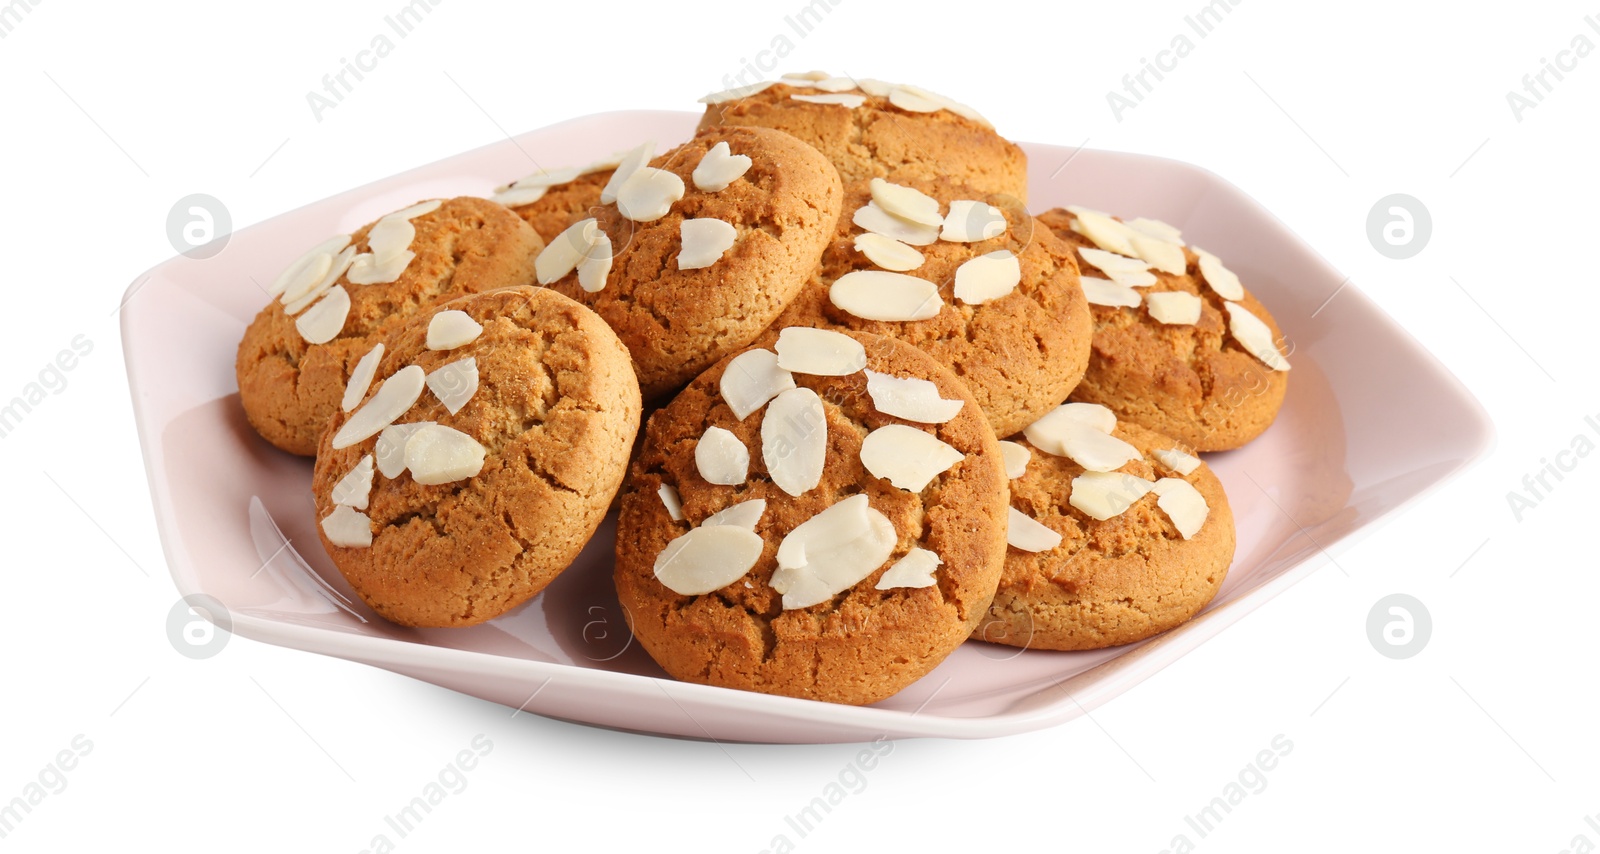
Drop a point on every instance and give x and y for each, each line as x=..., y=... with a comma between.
x=1371, y=422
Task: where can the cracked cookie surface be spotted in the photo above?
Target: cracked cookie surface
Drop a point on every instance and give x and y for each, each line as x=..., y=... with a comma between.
x=863, y=644
x=556, y=409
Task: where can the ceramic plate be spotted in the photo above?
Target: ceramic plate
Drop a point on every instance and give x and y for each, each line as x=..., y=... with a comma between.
x=1371, y=422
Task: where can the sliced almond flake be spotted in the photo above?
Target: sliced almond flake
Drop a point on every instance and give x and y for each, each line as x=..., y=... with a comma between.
x=1157, y=229
x=1095, y=450
x=355, y=488
x=397, y=394
x=1183, y=504
x=721, y=458
x=988, y=277
x=341, y=264
x=882, y=295
x=1111, y=262
x=943, y=102
x=561, y=257
x=752, y=379
x=907, y=457
x=870, y=217
x=832, y=552
x=361, y=378
x=299, y=271
x=835, y=84
x=516, y=197
x=368, y=269
x=348, y=528
x=907, y=203
x=1178, y=460
x=1016, y=458
x=736, y=93
x=707, y=559
x=704, y=242
x=1133, y=280
x=1027, y=534
x=848, y=100
x=545, y=179
x=875, y=88
x=719, y=167
x=1176, y=308
x=794, y=440
x=452, y=328
x=1106, y=233
x=306, y=273
x=1103, y=495
x=455, y=384
x=888, y=253
x=1220, y=278
x=914, y=570
x=595, y=267
x=820, y=352
x=438, y=454
x=323, y=321
x=390, y=236
x=671, y=501
x=1255, y=336
x=745, y=514
x=1163, y=256
x=1109, y=293
x=1047, y=433
x=648, y=194
x=913, y=100
x=805, y=77
x=970, y=222
x=630, y=163
x=391, y=447
x=911, y=398
x=418, y=209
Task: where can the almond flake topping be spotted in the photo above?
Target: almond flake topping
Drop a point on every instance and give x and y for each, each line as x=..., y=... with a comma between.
x=1103, y=495
x=820, y=352
x=455, y=384
x=1157, y=229
x=631, y=162
x=648, y=194
x=361, y=378
x=1026, y=533
x=831, y=552
x=911, y=398
x=1105, y=232
x=341, y=264
x=721, y=458
x=794, y=440
x=1220, y=278
x=988, y=277
x=571, y=247
x=1048, y=432
x=305, y=271
x=1016, y=458
x=719, y=168
x=391, y=447
x=907, y=457
x=871, y=217
x=882, y=295
x=907, y=203
x=438, y=454
x=1178, y=308
x=888, y=253
x=848, y=100
x=1161, y=255
x=1183, y=504
x=745, y=514
x=671, y=501
x=737, y=93
x=704, y=242
x=323, y=322
x=1255, y=336
x=970, y=222
x=355, y=487
x=707, y=559
x=752, y=379
x=348, y=528
x=914, y=570
x=1178, y=460
x=452, y=328
x=1108, y=293
x=397, y=394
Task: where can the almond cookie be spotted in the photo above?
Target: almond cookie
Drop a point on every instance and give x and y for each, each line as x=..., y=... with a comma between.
x=1179, y=345
x=551, y=201
x=694, y=253
x=976, y=285
x=492, y=433
x=348, y=293
x=871, y=129
x=1117, y=533
x=823, y=519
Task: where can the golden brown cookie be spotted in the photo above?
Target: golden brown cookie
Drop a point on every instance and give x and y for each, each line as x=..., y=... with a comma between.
x=841, y=638
x=1111, y=581
x=871, y=129
x=468, y=513
x=679, y=312
x=1193, y=378
x=1021, y=354
x=291, y=386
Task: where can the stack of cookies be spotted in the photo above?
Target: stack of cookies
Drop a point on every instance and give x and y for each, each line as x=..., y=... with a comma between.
x=890, y=409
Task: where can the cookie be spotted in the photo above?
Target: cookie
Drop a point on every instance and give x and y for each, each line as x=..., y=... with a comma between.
x=1179, y=345
x=334, y=303
x=551, y=201
x=694, y=254
x=901, y=517
x=871, y=129
x=484, y=454
x=1076, y=581
x=1020, y=344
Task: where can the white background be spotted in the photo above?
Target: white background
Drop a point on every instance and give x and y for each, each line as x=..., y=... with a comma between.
x=1485, y=741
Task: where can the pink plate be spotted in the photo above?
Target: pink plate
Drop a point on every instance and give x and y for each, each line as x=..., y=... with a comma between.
x=1371, y=423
